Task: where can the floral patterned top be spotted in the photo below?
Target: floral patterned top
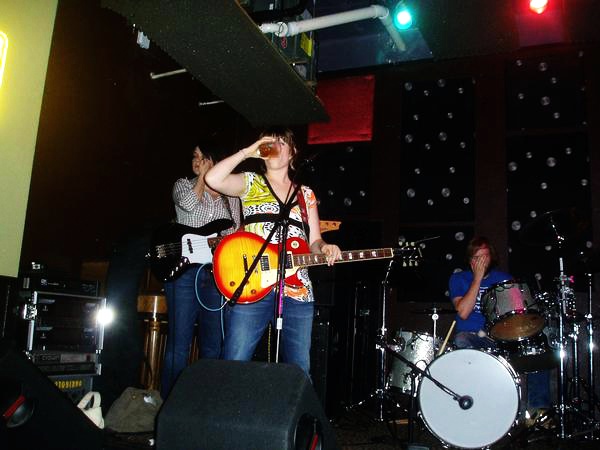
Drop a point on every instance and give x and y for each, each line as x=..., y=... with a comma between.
x=258, y=199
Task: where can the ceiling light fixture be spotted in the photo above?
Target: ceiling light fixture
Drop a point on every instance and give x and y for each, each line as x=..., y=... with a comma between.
x=538, y=6
x=282, y=29
x=402, y=16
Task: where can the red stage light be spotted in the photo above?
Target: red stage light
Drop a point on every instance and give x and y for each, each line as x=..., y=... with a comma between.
x=538, y=6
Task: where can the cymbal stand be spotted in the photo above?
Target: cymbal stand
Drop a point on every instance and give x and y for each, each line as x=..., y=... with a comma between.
x=590, y=350
x=381, y=394
x=563, y=292
x=435, y=316
x=573, y=406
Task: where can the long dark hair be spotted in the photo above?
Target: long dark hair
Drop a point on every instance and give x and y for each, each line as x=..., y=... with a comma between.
x=209, y=149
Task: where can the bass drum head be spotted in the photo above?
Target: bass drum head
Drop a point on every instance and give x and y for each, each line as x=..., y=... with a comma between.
x=492, y=384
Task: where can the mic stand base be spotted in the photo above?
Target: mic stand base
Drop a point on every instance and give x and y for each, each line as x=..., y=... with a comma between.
x=381, y=403
x=547, y=425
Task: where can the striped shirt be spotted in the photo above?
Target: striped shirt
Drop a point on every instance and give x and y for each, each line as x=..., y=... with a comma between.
x=195, y=212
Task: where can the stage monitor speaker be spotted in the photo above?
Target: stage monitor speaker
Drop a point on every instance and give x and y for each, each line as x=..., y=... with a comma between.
x=222, y=405
x=37, y=415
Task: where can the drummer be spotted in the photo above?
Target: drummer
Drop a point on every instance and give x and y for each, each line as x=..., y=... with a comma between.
x=466, y=290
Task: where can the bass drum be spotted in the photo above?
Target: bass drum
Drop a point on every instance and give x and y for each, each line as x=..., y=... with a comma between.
x=492, y=384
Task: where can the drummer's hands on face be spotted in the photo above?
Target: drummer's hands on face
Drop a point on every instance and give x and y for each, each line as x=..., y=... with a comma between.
x=479, y=265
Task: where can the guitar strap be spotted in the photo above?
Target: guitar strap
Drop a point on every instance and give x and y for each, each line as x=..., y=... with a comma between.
x=228, y=207
x=302, y=204
x=265, y=217
x=303, y=212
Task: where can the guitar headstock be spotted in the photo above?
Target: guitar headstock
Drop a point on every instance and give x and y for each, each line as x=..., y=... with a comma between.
x=409, y=253
x=329, y=225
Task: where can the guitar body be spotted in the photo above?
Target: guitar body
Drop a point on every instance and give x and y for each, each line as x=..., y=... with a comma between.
x=235, y=254
x=174, y=247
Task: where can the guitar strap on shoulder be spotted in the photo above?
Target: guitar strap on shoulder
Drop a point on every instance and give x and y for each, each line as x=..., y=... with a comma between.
x=268, y=217
x=228, y=207
x=302, y=205
x=303, y=212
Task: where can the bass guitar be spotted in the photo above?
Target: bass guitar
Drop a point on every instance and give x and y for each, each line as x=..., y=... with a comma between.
x=235, y=253
x=174, y=247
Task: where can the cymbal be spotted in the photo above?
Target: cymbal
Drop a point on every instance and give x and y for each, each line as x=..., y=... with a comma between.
x=555, y=227
x=433, y=310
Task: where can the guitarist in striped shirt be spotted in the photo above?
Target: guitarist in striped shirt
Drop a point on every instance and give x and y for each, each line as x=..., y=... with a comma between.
x=264, y=194
x=193, y=297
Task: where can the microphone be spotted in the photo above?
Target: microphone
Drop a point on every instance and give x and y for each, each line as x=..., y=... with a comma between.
x=465, y=401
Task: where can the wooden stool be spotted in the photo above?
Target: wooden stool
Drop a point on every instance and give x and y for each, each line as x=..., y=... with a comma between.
x=153, y=311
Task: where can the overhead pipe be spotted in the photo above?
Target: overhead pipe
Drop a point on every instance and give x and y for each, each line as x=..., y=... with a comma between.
x=382, y=13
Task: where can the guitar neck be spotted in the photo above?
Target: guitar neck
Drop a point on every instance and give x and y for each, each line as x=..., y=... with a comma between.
x=317, y=259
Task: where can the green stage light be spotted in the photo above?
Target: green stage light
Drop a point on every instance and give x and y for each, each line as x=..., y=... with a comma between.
x=402, y=16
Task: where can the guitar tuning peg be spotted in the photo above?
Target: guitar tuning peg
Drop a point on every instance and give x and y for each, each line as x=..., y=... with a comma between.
x=403, y=263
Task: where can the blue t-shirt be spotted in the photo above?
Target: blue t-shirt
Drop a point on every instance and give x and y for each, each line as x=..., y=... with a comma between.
x=459, y=285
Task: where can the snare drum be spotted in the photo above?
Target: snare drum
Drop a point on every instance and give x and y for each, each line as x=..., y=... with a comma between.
x=531, y=354
x=492, y=384
x=419, y=349
x=511, y=312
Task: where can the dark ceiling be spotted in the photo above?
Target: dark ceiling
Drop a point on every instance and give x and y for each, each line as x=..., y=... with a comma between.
x=229, y=55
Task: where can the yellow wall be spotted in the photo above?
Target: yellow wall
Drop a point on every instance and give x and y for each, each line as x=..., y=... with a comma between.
x=28, y=26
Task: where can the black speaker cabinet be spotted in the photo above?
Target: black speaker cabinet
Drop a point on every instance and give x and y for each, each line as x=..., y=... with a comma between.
x=53, y=421
x=228, y=405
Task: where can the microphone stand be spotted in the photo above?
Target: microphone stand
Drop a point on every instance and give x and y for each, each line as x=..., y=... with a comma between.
x=281, y=224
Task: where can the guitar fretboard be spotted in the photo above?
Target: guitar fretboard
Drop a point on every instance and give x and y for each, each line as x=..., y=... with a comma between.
x=314, y=259
x=174, y=248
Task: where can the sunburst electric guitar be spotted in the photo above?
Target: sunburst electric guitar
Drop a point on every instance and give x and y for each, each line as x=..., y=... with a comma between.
x=235, y=253
x=175, y=247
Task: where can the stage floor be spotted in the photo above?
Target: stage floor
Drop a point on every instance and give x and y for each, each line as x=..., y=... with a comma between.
x=360, y=429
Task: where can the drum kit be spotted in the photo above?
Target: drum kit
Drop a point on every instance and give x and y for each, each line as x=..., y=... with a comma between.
x=471, y=398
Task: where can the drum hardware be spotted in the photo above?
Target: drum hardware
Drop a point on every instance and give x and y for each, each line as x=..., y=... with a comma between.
x=555, y=228
x=592, y=400
x=384, y=401
x=434, y=312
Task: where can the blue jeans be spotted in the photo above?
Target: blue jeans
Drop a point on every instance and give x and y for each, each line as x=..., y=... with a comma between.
x=470, y=339
x=538, y=390
x=185, y=310
x=246, y=324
